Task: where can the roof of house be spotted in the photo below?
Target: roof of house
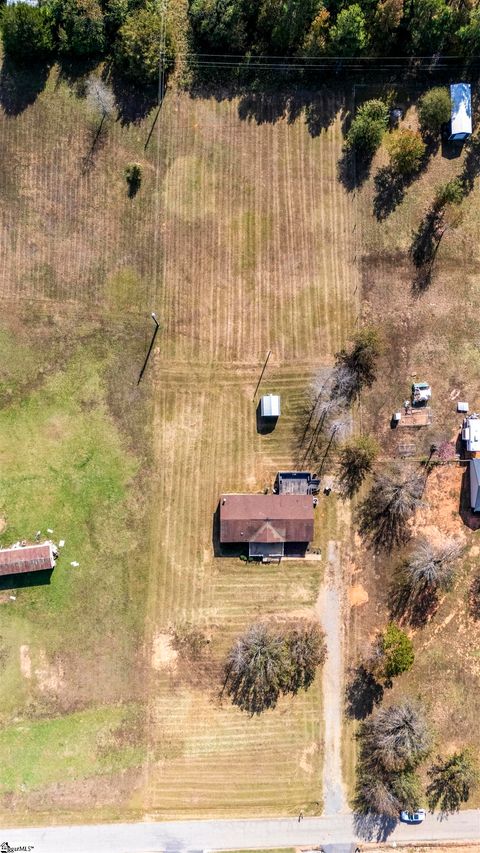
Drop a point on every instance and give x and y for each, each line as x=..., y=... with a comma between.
x=31, y=558
x=461, y=98
x=266, y=518
x=475, y=484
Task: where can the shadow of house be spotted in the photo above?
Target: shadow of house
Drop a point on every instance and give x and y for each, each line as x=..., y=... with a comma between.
x=264, y=425
x=14, y=581
x=20, y=85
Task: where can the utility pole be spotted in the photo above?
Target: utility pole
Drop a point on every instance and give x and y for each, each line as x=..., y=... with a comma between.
x=157, y=326
x=261, y=375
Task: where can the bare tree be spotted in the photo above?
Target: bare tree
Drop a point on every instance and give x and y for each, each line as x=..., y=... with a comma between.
x=384, y=514
x=397, y=737
x=306, y=647
x=432, y=566
x=257, y=669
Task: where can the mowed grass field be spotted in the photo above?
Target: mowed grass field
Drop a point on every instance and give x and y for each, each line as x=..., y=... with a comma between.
x=259, y=255
x=242, y=240
x=428, y=336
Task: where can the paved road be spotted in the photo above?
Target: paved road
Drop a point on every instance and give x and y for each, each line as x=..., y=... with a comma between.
x=215, y=834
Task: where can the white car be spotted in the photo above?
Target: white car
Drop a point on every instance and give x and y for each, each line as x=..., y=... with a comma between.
x=413, y=817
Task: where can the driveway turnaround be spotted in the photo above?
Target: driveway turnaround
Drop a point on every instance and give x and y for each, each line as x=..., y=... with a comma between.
x=178, y=836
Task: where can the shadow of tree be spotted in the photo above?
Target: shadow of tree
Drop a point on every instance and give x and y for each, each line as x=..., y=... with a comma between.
x=410, y=606
x=20, y=86
x=353, y=169
x=133, y=103
x=373, y=827
x=389, y=192
x=362, y=694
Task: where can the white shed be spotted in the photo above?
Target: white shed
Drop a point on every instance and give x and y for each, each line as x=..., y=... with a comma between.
x=270, y=406
x=461, y=116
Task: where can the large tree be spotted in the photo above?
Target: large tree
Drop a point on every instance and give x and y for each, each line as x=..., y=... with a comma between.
x=384, y=514
x=81, y=29
x=27, y=32
x=397, y=737
x=368, y=127
x=349, y=34
x=406, y=148
x=218, y=26
x=432, y=26
x=305, y=644
x=143, y=40
x=452, y=781
x=434, y=109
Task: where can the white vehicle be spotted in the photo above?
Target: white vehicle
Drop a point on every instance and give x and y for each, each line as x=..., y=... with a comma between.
x=418, y=816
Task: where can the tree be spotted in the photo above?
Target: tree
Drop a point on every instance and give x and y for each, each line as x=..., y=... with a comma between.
x=452, y=781
x=356, y=368
x=394, y=653
x=349, y=35
x=384, y=514
x=81, y=29
x=469, y=34
x=27, y=32
x=451, y=192
x=317, y=37
x=306, y=648
x=356, y=459
x=388, y=17
x=282, y=25
x=142, y=41
x=432, y=25
x=257, y=669
x=432, y=566
x=218, y=26
x=406, y=149
x=434, y=110
x=397, y=738
x=368, y=127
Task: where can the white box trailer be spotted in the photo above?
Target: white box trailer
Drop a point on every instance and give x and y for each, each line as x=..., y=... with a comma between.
x=461, y=115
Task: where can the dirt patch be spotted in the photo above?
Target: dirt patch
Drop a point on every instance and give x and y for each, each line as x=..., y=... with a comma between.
x=25, y=661
x=50, y=676
x=357, y=595
x=442, y=501
x=164, y=656
x=3, y=523
x=305, y=762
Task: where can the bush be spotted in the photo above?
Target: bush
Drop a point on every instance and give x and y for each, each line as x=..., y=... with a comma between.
x=451, y=192
x=394, y=653
x=356, y=459
x=138, y=48
x=368, y=127
x=434, y=110
x=81, y=28
x=27, y=32
x=348, y=36
x=133, y=177
x=406, y=149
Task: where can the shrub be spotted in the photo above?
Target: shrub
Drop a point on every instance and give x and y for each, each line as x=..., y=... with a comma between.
x=133, y=177
x=394, y=653
x=27, y=32
x=406, y=149
x=356, y=459
x=451, y=192
x=368, y=127
x=451, y=781
x=349, y=36
x=434, y=110
x=81, y=28
x=138, y=48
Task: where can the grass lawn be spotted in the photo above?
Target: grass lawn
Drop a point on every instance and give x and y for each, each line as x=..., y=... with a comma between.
x=242, y=240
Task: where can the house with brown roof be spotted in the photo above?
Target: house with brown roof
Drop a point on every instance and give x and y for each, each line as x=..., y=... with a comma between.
x=28, y=558
x=273, y=525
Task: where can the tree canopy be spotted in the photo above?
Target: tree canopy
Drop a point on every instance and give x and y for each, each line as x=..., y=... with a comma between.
x=368, y=127
x=141, y=40
x=394, y=653
x=27, y=32
x=434, y=109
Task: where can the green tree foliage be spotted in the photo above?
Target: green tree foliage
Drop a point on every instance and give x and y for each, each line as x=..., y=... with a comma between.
x=451, y=781
x=406, y=149
x=368, y=127
x=394, y=653
x=356, y=459
x=431, y=26
x=469, y=34
x=434, y=110
x=282, y=25
x=266, y=662
x=316, y=39
x=81, y=30
x=218, y=26
x=138, y=48
x=449, y=193
x=27, y=32
x=388, y=17
x=349, y=34
x=384, y=514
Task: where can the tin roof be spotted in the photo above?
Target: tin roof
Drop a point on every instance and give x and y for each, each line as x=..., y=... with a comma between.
x=31, y=558
x=461, y=98
x=270, y=406
x=266, y=518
